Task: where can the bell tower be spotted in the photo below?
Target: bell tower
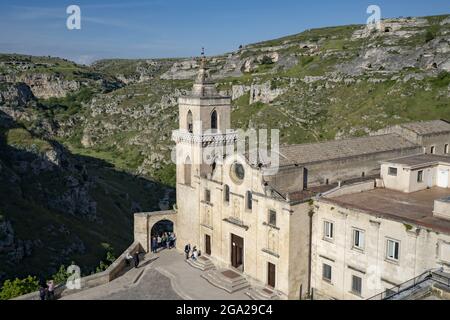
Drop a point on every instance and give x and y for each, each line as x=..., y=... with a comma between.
x=204, y=126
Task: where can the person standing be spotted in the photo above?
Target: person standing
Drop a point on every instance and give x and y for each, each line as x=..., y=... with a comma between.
x=194, y=254
x=169, y=241
x=50, y=290
x=136, y=259
x=187, y=250
x=174, y=240
x=158, y=242
x=128, y=258
x=42, y=292
x=154, y=244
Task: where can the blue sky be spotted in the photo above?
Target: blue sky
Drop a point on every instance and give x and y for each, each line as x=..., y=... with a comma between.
x=175, y=28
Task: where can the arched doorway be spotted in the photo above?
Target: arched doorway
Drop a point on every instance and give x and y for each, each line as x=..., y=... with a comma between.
x=161, y=227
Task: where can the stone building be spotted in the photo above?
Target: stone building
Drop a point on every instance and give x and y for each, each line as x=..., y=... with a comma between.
x=255, y=228
x=376, y=235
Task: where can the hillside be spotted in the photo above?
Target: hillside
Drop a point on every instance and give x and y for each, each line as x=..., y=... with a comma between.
x=82, y=147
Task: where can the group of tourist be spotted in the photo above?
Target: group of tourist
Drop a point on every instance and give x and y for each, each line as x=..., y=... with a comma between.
x=191, y=254
x=47, y=290
x=166, y=240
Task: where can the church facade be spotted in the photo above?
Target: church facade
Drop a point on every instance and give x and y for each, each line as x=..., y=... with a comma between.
x=259, y=223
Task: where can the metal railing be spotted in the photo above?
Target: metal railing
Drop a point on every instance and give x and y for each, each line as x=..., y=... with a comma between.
x=435, y=275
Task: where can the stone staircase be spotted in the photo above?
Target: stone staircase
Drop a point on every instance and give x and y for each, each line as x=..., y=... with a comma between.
x=228, y=280
x=264, y=294
x=202, y=263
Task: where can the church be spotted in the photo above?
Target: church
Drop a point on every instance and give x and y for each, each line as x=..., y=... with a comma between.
x=261, y=231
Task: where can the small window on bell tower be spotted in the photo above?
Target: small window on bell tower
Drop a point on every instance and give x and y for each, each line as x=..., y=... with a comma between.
x=190, y=123
x=214, y=120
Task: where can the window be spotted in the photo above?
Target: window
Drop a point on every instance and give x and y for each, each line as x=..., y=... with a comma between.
x=433, y=150
x=393, y=248
x=356, y=285
x=249, y=200
x=214, y=120
x=392, y=171
x=446, y=150
x=207, y=195
x=420, y=176
x=326, y=272
x=358, y=239
x=237, y=173
x=328, y=230
x=190, y=123
x=226, y=193
x=272, y=218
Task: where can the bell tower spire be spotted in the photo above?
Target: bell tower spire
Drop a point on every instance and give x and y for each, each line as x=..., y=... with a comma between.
x=204, y=132
x=203, y=85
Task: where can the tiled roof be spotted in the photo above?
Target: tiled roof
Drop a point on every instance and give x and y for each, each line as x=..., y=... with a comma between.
x=338, y=149
x=418, y=160
x=427, y=127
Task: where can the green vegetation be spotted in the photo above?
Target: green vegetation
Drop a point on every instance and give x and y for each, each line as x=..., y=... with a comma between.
x=18, y=287
x=71, y=104
x=23, y=139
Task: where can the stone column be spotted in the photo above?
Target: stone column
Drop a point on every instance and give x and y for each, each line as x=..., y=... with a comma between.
x=141, y=230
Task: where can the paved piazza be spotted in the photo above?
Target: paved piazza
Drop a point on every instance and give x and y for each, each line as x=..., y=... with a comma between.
x=164, y=276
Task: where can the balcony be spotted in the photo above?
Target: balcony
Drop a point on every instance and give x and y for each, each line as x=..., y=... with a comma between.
x=210, y=138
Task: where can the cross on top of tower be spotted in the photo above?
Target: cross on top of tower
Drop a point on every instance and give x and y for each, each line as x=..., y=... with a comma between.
x=203, y=59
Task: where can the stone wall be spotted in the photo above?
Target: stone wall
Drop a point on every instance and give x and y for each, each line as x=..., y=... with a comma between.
x=420, y=250
x=144, y=222
x=91, y=281
x=354, y=167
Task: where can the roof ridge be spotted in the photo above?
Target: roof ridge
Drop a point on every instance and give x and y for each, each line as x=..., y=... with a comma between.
x=346, y=139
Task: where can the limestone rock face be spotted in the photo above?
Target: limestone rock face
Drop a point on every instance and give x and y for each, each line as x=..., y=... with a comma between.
x=183, y=70
x=15, y=95
x=45, y=85
x=264, y=93
x=239, y=90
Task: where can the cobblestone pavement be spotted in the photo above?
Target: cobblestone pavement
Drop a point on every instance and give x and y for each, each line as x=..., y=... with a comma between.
x=164, y=276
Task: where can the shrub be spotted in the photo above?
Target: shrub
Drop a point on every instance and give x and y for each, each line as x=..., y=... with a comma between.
x=266, y=60
x=110, y=258
x=61, y=276
x=18, y=287
x=429, y=36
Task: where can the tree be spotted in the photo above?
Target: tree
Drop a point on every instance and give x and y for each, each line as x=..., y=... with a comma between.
x=110, y=258
x=18, y=287
x=61, y=276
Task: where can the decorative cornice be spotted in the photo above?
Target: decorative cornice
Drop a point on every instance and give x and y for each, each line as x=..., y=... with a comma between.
x=210, y=138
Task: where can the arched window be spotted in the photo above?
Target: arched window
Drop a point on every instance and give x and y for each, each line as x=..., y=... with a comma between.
x=187, y=172
x=226, y=193
x=190, y=123
x=214, y=120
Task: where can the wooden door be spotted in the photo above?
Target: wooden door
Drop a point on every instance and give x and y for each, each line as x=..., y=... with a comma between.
x=271, y=271
x=237, y=252
x=208, y=245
